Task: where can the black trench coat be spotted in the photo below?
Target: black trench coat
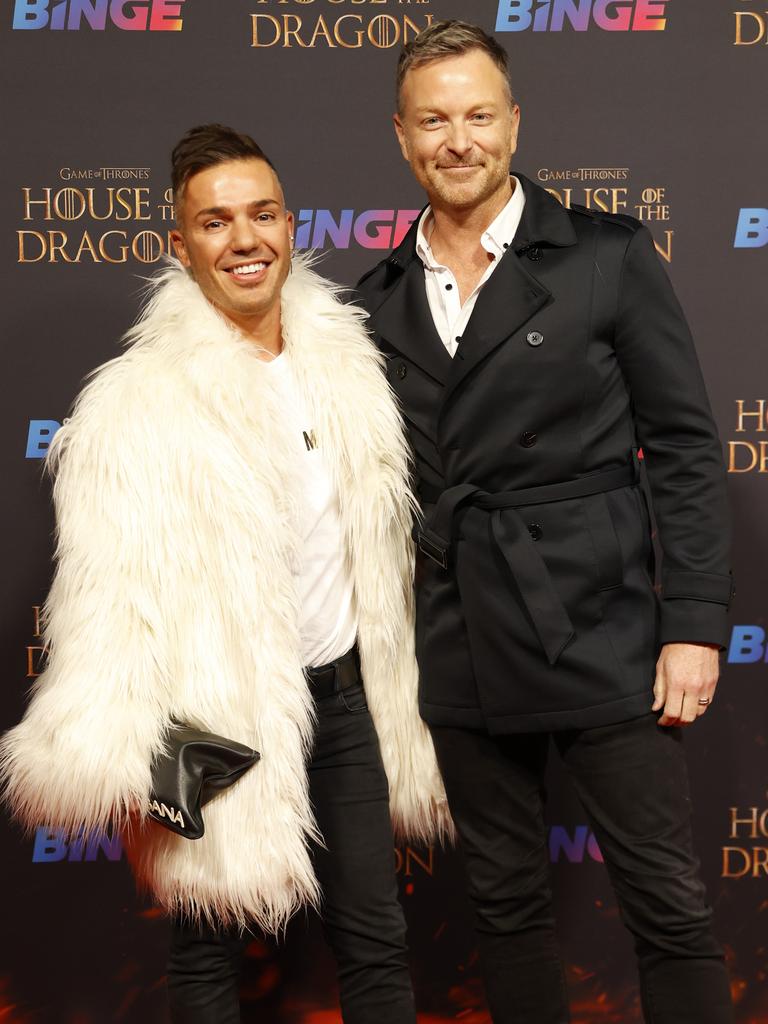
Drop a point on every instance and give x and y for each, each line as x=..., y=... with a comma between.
x=536, y=606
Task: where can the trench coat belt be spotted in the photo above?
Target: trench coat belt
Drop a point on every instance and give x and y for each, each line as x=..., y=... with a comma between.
x=510, y=534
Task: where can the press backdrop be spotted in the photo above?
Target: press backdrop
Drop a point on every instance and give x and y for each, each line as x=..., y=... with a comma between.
x=647, y=107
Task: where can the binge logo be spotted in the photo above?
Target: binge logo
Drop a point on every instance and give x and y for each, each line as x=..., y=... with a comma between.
x=575, y=848
x=609, y=15
x=371, y=229
x=747, y=645
x=130, y=15
x=751, y=228
x=39, y=437
x=53, y=845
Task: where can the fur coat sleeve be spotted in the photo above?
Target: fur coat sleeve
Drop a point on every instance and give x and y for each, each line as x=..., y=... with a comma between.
x=80, y=758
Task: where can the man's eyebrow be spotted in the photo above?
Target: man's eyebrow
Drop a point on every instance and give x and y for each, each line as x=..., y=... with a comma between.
x=221, y=211
x=434, y=109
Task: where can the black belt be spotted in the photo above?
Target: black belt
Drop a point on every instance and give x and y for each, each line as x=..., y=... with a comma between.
x=338, y=675
x=511, y=536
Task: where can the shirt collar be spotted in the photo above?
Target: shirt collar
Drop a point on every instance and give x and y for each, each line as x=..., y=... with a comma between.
x=495, y=237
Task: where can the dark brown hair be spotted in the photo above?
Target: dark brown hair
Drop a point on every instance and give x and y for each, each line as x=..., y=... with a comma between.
x=209, y=145
x=449, y=39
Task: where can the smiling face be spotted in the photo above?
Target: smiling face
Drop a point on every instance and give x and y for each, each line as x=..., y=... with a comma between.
x=457, y=128
x=234, y=235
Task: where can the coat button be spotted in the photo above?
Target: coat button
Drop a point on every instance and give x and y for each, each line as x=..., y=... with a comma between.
x=534, y=338
x=401, y=371
x=528, y=439
x=535, y=531
x=534, y=253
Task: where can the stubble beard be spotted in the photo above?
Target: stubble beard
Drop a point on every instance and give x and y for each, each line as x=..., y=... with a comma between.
x=463, y=196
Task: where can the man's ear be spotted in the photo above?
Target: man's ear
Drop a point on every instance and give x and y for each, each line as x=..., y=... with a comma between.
x=179, y=247
x=400, y=132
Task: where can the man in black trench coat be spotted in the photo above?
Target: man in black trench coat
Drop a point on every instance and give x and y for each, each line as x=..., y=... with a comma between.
x=535, y=350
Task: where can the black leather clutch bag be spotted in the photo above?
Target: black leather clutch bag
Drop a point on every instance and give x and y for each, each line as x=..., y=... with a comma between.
x=194, y=767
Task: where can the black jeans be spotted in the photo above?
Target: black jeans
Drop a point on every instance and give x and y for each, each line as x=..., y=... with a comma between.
x=633, y=783
x=362, y=919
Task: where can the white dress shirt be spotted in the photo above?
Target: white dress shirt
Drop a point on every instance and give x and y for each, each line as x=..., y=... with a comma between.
x=449, y=315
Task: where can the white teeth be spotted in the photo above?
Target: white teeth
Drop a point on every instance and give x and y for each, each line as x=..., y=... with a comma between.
x=251, y=268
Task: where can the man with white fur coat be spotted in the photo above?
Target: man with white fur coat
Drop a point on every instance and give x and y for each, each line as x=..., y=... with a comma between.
x=233, y=513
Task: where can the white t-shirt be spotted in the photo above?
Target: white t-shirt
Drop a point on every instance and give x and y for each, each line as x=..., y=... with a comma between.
x=328, y=614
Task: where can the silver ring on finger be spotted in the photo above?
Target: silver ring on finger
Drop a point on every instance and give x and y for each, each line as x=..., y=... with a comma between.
x=704, y=701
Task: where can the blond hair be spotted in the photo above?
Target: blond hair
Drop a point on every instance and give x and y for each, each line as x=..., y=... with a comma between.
x=450, y=39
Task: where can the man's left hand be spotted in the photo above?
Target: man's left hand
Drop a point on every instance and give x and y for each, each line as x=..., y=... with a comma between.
x=686, y=674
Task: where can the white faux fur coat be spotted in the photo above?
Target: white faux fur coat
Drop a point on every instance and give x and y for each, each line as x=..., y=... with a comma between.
x=174, y=597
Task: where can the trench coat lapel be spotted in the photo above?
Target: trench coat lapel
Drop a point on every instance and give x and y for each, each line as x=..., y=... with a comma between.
x=404, y=319
x=510, y=297
x=512, y=294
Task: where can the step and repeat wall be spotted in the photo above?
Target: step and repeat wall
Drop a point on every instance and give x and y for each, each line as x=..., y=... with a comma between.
x=647, y=107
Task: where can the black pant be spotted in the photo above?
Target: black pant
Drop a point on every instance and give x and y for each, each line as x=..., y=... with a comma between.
x=633, y=783
x=362, y=918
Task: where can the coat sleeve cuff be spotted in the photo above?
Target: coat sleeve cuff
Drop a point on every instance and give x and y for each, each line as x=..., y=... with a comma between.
x=698, y=586
x=687, y=621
